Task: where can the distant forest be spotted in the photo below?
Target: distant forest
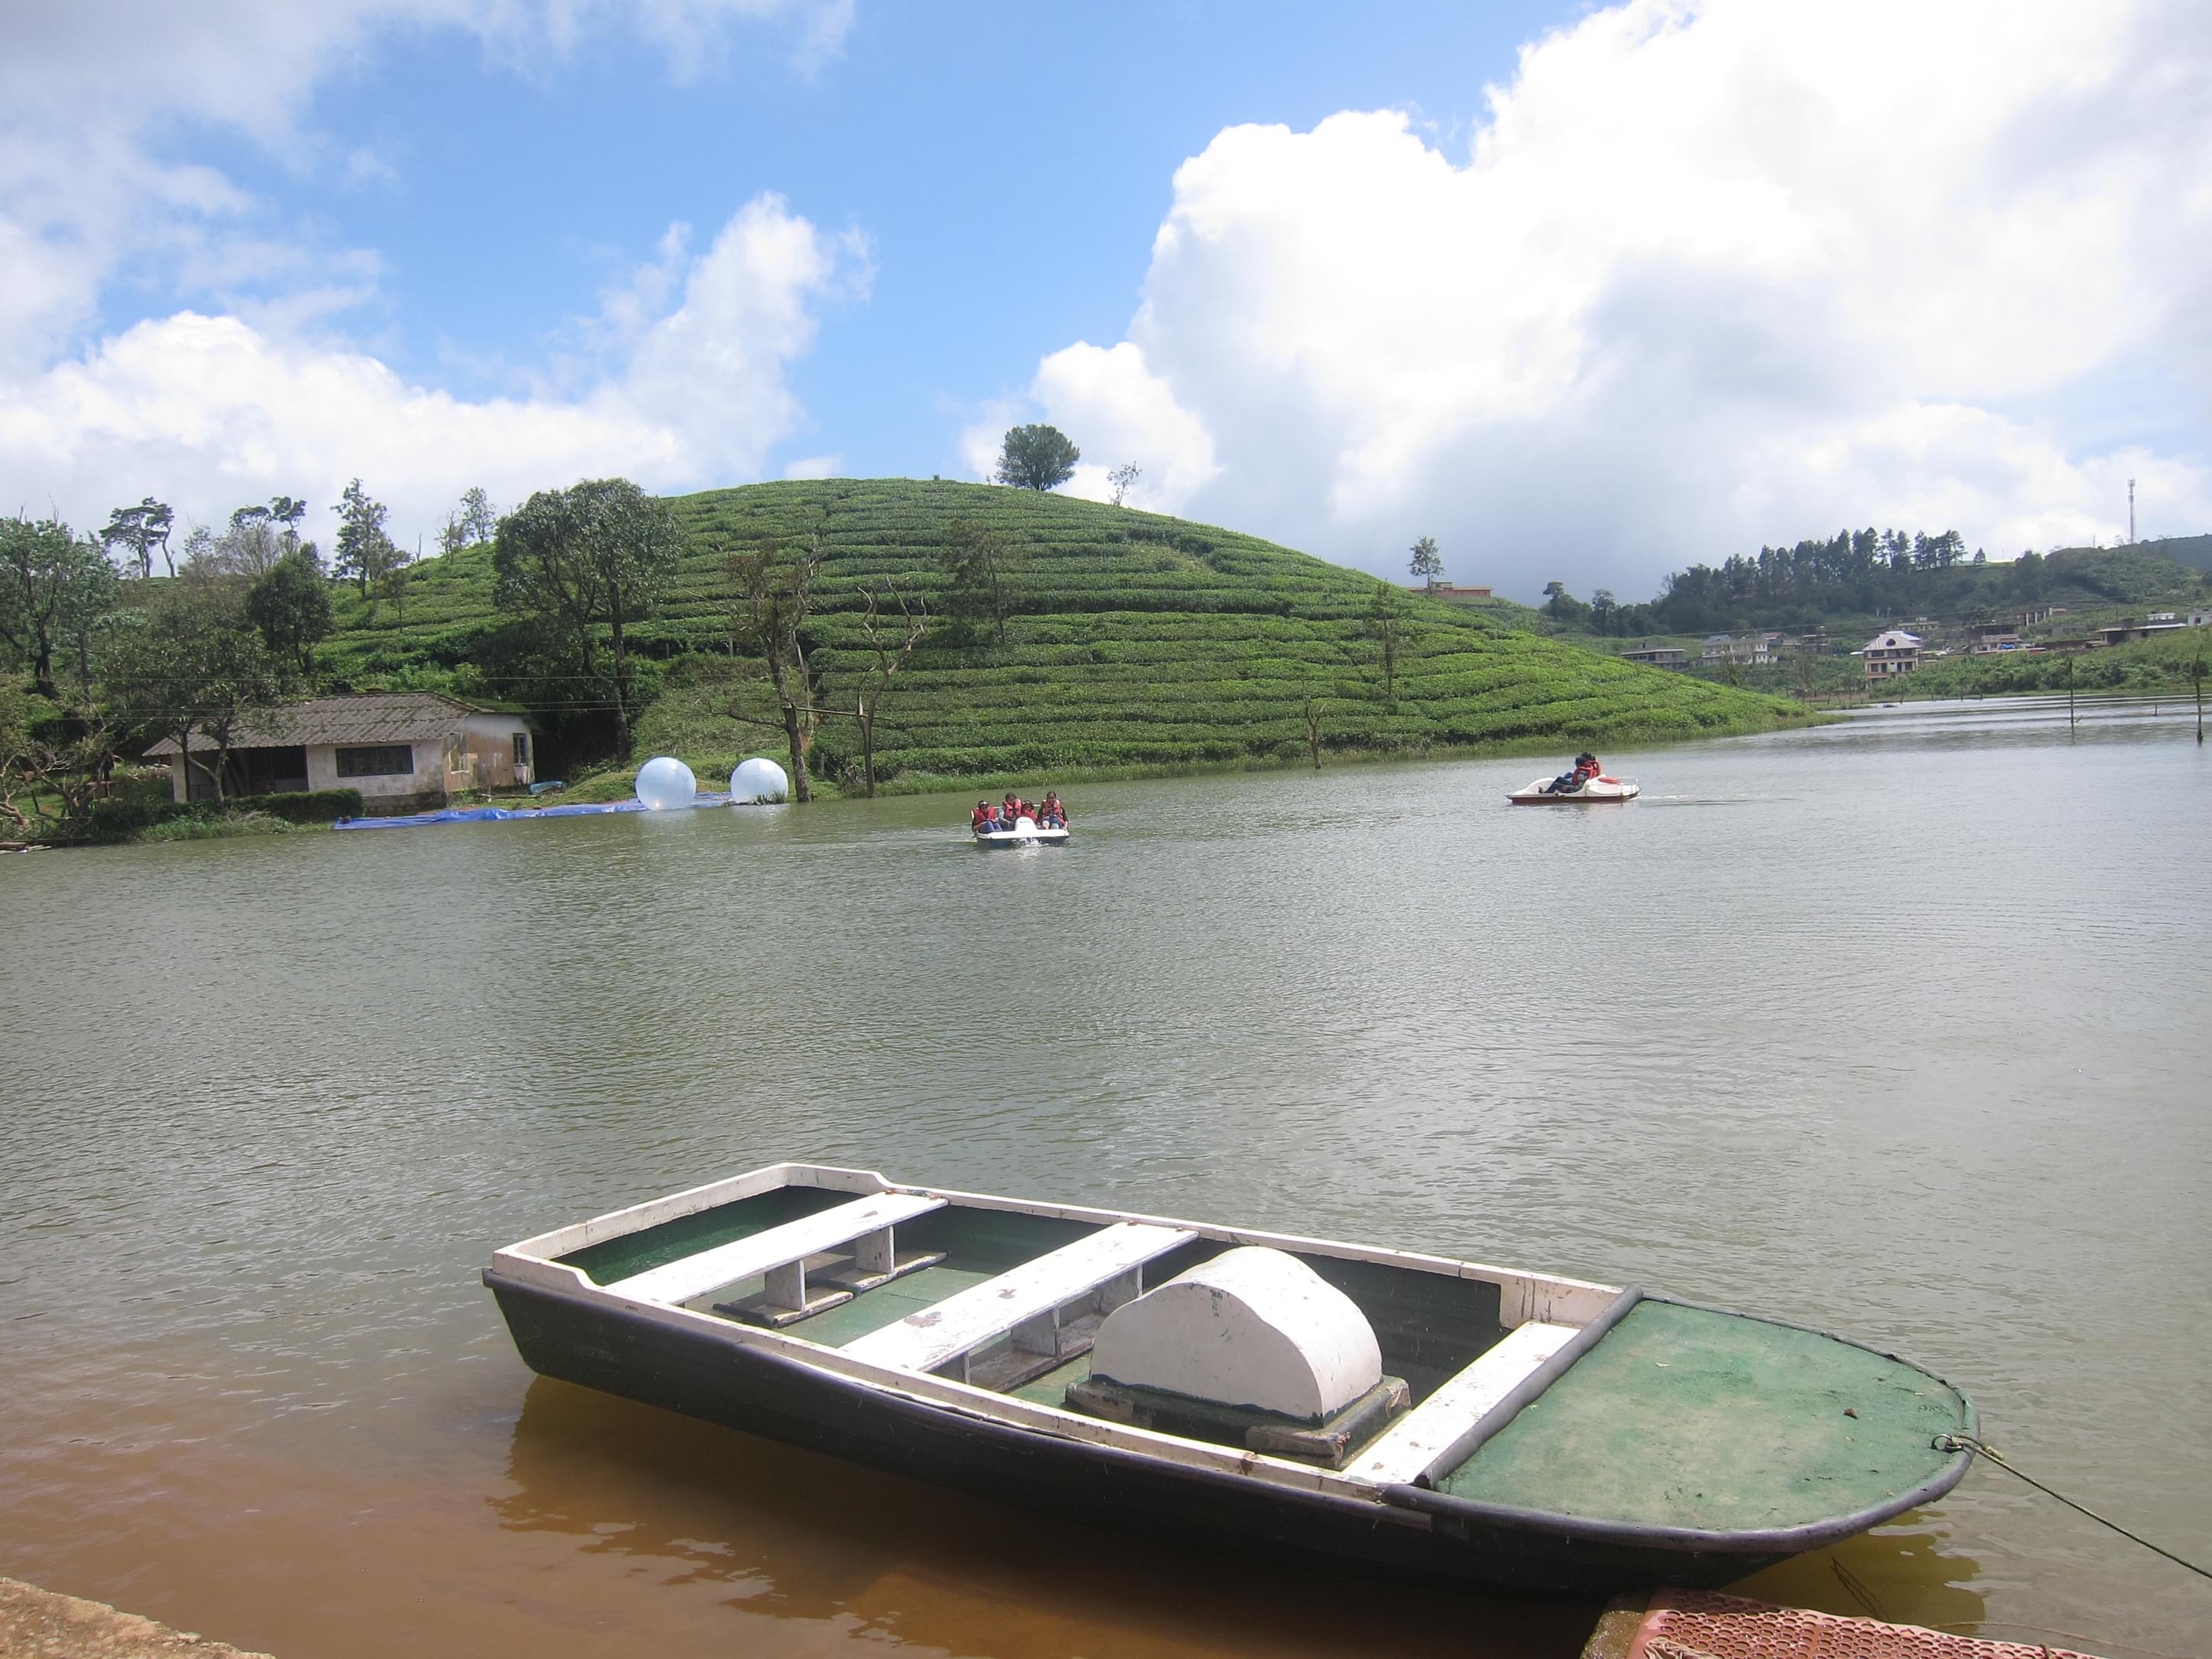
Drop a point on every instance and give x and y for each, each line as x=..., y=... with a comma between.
x=1858, y=574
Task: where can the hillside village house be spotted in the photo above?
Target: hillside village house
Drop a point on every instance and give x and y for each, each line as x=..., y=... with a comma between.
x=1891, y=653
x=1721, y=648
x=1659, y=656
x=1449, y=591
x=405, y=751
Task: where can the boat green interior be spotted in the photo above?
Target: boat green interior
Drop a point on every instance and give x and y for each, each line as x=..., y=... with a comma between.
x=1686, y=1416
x=1677, y=1416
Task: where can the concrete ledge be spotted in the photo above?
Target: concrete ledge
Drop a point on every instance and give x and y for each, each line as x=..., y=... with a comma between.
x=36, y=1623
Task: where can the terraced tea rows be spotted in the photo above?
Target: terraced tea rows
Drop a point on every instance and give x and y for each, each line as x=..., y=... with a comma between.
x=1133, y=640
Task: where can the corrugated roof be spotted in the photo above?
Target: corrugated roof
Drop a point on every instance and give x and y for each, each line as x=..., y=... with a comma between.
x=370, y=717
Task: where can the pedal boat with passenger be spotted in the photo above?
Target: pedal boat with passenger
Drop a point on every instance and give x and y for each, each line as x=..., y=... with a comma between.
x=1538, y=792
x=1298, y=1400
x=1026, y=833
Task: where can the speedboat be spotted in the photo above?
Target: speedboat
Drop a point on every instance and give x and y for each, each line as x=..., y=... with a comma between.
x=1537, y=793
x=1024, y=833
x=1342, y=1407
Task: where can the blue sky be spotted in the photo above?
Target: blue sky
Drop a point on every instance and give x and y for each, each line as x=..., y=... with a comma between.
x=1008, y=170
x=1585, y=292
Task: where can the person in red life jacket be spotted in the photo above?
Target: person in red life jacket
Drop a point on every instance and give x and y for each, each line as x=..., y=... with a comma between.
x=1052, y=815
x=1584, y=768
x=981, y=820
x=1012, y=808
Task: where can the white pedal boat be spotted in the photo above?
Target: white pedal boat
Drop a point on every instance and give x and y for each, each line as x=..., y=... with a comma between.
x=1023, y=834
x=1598, y=788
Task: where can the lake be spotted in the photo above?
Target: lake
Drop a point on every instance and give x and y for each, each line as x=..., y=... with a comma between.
x=1898, y=1025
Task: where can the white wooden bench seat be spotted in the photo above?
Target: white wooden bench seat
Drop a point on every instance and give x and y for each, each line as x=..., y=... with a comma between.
x=1422, y=1435
x=1049, y=1305
x=780, y=1255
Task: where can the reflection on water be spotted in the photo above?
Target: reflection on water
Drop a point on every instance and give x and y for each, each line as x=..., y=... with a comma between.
x=1902, y=1036
x=1910, y=1570
x=785, y=1533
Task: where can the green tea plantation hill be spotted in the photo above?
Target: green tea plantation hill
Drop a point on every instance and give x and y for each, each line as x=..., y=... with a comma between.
x=1133, y=642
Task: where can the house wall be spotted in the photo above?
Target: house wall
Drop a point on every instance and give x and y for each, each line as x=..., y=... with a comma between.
x=396, y=792
x=479, y=754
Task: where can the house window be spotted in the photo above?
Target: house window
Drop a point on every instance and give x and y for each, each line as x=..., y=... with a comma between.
x=385, y=760
x=522, y=749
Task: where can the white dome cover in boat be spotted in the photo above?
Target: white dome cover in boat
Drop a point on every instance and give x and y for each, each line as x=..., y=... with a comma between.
x=1253, y=1326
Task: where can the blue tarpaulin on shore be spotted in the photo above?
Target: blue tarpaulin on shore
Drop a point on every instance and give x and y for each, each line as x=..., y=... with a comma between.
x=501, y=814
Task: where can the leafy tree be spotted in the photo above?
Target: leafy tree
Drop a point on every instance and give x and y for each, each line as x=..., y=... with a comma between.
x=1037, y=458
x=54, y=589
x=1386, y=621
x=977, y=564
x=51, y=771
x=1604, y=611
x=473, y=521
x=193, y=663
x=291, y=606
x=890, y=644
x=776, y=596
x=365, y=554
x=251, y=544
x=596, y=555
x=1123, y=479
x=141, y=529
x=1428, y=563
x=1562, y=606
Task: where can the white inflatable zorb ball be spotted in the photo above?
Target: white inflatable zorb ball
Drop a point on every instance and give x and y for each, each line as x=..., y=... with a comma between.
x=665, y=783
x=758, y=780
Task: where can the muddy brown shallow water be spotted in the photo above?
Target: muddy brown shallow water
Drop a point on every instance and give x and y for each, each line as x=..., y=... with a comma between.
x=1896, y=1026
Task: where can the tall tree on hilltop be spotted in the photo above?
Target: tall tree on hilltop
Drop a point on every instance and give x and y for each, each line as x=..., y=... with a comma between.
x=1123, y=479
x=1428, y=563
x=141, y=529
x=776, y=596
x=1037, y=458
x=365, y=554
x=54, y=589
x=596, y=555
x=473, y=521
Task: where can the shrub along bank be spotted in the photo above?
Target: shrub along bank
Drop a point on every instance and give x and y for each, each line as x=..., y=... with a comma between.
x=1123, y=640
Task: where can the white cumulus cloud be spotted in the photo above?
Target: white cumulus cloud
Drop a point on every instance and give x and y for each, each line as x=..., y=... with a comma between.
x=248, y=385
x=210, y=411
x=1713, y=273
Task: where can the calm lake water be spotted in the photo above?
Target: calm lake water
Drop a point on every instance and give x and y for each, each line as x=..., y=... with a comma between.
x=1898, y=1026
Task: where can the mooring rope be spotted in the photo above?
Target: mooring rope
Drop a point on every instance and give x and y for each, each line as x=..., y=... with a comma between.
x=1966, y=1443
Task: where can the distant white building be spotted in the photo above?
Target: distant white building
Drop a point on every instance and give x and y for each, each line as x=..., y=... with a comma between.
x=1723, y=648
x=1891, y=653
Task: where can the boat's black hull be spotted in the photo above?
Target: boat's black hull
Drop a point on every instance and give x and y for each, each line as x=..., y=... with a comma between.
x=745, y=1388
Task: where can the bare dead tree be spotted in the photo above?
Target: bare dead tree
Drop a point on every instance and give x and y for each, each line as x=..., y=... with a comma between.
x=776, y=596
x=891, y=644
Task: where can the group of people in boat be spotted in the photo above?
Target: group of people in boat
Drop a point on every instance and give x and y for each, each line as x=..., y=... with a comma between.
x=1047, y=814
x=1584, y=768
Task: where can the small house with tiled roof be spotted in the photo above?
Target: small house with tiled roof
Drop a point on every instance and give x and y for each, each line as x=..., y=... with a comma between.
x=405, y=751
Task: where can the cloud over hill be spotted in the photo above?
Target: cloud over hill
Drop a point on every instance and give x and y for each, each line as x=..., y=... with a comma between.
x=1714, y=272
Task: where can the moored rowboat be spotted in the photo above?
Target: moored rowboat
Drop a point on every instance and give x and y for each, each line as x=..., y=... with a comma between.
x=1306, y=1400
